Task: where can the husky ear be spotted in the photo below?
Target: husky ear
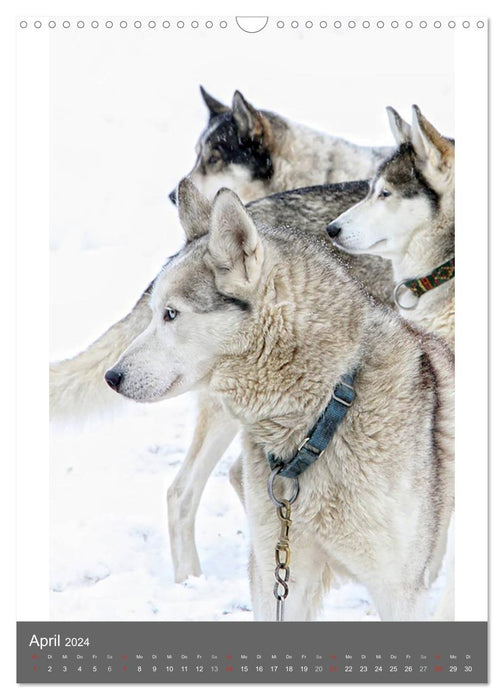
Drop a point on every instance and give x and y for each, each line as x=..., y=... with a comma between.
x=214, y=106
x=194, y=210
x=435, y=153
x=401, y=130
x=235, y=247
x=247, y=118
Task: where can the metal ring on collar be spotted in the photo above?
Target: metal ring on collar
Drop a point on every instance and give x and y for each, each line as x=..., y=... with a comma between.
x=271, y=480
x=396, y=296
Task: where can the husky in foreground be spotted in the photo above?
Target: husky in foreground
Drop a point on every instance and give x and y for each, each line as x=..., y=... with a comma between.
x=270, y=322
x=408, y=217
x=257, y=153
x=77, y=388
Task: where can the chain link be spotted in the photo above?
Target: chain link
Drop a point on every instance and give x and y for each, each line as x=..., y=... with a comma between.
x=282, y=549
x=282, y=559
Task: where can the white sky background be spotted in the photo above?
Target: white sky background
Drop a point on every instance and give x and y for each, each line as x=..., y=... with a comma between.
x=126, y=114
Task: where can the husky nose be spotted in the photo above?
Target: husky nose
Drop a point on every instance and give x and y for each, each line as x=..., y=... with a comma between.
x=113, y=379
x=334, y=229
x=173, y=196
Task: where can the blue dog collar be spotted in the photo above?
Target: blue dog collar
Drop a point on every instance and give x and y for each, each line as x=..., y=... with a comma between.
x=314, y=445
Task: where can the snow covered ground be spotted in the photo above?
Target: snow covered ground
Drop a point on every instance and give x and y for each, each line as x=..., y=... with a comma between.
x=125, y=117
x=110, y=549
x=110, y=552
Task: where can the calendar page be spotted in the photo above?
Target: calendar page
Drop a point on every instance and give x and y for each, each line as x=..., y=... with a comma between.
x=255, y=459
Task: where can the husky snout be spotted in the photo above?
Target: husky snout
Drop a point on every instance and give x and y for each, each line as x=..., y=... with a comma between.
x=341, y=231
x=334, y=229
x=173, y=196
x=114, y=379
x=354, y=231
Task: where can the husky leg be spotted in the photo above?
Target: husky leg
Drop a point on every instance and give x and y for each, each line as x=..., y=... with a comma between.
x=400, y=602
x=254, y=582
x=236, y=479
x=306, y=588
x=214, y=432
x=446, y=606
x=309, y=575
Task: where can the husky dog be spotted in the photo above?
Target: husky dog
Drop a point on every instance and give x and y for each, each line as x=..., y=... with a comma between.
x=77, y=387
x=256, y=153
x=306, y=208
x=408, y=217
x=269, y=322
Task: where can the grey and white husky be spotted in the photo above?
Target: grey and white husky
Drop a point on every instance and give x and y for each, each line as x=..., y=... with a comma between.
x=77, y=387
x=256, y=153
x=269, y=322
x=408, y=217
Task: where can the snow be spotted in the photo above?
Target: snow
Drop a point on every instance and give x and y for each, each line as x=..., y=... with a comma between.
x=125, y=118
x=110, y=551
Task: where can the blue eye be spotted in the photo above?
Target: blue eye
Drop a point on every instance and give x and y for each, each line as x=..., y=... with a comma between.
x=170, y=314
x=384, y=193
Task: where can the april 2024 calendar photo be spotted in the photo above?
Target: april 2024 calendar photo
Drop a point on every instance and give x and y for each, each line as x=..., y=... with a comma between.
x=252, y=443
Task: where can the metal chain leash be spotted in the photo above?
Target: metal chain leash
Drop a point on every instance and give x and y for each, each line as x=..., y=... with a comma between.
x=282, y=560
x=282, y=549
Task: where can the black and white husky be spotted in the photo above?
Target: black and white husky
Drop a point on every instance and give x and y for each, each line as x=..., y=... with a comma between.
x=408, y=217
x=256, y=153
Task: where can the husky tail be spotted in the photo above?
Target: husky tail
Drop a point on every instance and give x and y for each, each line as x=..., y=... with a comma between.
x=76, y=386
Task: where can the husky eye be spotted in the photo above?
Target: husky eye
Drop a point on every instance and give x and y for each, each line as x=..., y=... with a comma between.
x=214, y=158
x=170, y=314
x=384, y=193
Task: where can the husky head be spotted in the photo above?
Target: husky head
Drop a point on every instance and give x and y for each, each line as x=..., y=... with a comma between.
x=234, y=150
x=200, y=300
x=410, y=191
